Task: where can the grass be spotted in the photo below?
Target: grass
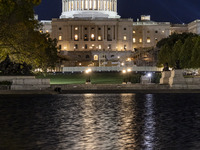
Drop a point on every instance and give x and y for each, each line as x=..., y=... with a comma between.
x=96, y=78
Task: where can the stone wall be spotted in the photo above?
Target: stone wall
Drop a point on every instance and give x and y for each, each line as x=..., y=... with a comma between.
x=176, y=80
x=30, y=84
x=10, y=78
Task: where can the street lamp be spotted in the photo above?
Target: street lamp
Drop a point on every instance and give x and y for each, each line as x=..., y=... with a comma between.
x=129, y=76
x=88, y=71
x=124, y=74
x=149, y=75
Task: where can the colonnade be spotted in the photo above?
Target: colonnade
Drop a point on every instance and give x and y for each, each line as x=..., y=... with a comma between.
x=79, y=5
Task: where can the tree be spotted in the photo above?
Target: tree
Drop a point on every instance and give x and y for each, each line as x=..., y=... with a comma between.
x=20, y=37
x=195, y=58
x=176, y=48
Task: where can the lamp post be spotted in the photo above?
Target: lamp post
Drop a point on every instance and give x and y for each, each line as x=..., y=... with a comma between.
x=88, y=71
x=129, y=76
x=149, y=76
x=124, y=78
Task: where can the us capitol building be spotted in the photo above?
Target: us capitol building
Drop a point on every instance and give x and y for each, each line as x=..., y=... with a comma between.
x=91, y=33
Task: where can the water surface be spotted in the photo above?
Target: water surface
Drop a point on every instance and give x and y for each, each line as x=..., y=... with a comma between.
x=100, y=122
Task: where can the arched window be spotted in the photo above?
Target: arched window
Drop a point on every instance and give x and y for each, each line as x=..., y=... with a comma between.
x=96, y=57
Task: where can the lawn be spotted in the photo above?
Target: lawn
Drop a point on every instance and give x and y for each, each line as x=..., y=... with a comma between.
x=96, y=78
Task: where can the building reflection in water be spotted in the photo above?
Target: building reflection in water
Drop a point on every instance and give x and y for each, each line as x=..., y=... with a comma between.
x=87, y=141
x=149, y=123
x=128, y=126
x=108, y=121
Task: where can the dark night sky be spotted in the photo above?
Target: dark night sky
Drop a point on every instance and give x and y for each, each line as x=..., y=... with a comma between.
x=175, y=11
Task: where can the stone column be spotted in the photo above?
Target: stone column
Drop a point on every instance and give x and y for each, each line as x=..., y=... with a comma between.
x=63, y=5
x=67, y=9
x=165, y=77
x=96, y=33
x=72, y=32
x=80, y=5
x=106, y=5
x=115, y=5
x=74, y=5
x=177, y=80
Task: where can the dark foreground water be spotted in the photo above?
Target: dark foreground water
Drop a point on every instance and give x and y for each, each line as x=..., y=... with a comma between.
x=100, y=122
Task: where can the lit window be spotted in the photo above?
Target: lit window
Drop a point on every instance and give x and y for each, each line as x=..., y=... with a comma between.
x=92, y=37
x=76, y=37
x=99, y=46
x=90, y=4
x=99, y=38
x=65, y=48
x=125, y=38
x=95, y=57
x=76, y=28
x=40, y=31
x=134, y=40
x=85, y=37
x=60, y=37
x=163, y=31
x=148, y=40
x=47, y=31
x=133, y=31
x=140, y=40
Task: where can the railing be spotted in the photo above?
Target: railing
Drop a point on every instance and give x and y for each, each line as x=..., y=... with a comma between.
x=113, y=68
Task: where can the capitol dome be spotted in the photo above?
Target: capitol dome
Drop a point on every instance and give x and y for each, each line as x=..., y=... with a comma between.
x=89, y=9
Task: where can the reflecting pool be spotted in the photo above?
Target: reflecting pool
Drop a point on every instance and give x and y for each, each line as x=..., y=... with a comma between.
x=100, y=122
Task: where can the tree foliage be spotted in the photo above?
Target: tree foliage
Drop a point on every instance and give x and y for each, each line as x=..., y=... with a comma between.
x=183, y=48
x=20, y=37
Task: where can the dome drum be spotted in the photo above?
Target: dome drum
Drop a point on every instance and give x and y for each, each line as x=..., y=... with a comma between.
x=89, y=8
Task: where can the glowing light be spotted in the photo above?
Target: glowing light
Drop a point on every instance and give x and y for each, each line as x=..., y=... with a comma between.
x=123, y=71
x=129, y=70
x=149, y=75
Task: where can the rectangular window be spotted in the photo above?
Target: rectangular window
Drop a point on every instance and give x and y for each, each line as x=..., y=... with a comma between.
x=134, y=40
x=60, y=37
x=76, y=28
x=76, y=37
x=85, y=37
x=109, y=46
x=76, y=46
x=99, y=46
x=148, y=40
x=82, y=5
x=86, y=4
x=140, y=40
x=134, y=32
x=99, y=38
x=95, y=4
x=92, y=37
x=125, y=47
x=125, y=38
x=85, y=46
x=90, y=4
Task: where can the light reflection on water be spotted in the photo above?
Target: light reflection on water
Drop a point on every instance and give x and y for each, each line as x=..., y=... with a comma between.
x=149, y=125
x=100, y=122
